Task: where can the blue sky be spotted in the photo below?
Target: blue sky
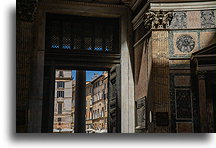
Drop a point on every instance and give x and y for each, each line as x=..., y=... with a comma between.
x=89, y=74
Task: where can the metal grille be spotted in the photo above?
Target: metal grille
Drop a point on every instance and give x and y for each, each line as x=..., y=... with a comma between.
x=108, y=43
x=66, y=37
x=55, y=35
x=77, y=43
x=66, y=32
x=98, y=44
x=88, y=43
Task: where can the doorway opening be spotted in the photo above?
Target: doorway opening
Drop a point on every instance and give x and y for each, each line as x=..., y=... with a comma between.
x=96, y=101
x=94, y=47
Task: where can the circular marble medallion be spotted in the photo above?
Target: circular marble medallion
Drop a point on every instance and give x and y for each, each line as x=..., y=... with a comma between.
x=185, y=43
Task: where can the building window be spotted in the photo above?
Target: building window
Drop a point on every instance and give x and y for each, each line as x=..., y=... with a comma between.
x=59, y=119
x=105, y=106
x=90, y=90
x=91, y=113
x=59, y=108
x=102, y=112
x=91, y=101
x=60, y=94
x=61, y=74
x=103, y=95
x=60, y=84
x=98, y=95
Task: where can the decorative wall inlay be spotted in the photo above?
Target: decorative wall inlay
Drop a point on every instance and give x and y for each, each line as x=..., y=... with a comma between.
x=183, y=103
x=185, y=43
x=207, y=19
x=179, y=20
x=157, y=19
x=193, y=19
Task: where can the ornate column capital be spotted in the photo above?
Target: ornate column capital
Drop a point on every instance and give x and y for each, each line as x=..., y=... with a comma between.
x=201, y=75
x=157, y=19
x=26, y=9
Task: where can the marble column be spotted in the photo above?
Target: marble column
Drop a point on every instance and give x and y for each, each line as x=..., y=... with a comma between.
x=80, y=102
x=202, y=101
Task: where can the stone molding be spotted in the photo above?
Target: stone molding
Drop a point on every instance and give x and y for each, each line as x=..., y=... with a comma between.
x=185, y=6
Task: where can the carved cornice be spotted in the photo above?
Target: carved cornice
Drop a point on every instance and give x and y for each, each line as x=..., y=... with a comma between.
x=157, y=19
x=183, y=6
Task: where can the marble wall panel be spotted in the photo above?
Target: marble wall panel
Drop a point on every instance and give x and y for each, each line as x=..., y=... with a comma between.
x=207, y=39
x=193, y=19
x=184, y=127
x=182, y=80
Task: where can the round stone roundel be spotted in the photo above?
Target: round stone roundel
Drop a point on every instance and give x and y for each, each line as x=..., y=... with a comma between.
x=185, y=43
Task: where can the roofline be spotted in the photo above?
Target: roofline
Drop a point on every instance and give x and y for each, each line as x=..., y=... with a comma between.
x=195, y=54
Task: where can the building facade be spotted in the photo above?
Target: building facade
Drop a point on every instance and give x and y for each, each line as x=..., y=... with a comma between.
x=99, y=102
x=63, y=101
x=89, y=106
x=96, y=104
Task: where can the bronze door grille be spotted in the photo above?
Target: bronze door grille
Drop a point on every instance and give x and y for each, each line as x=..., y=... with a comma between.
x=68, y=32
